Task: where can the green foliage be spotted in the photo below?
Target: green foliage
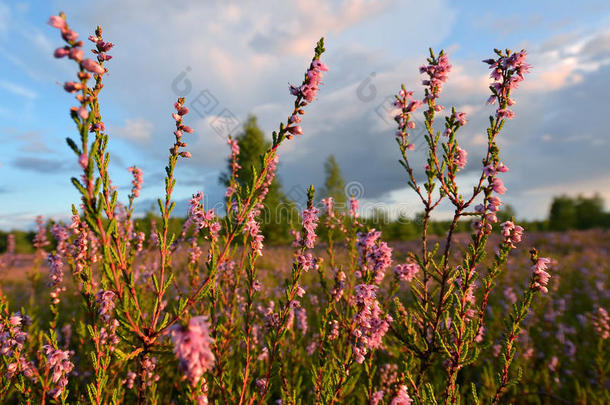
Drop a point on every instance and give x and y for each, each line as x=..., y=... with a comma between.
x=280, y=213
x=578, y=213
x=23, y=241
x=334, y=185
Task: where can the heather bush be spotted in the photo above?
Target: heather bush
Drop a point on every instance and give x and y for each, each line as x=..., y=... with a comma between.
x=208, y=314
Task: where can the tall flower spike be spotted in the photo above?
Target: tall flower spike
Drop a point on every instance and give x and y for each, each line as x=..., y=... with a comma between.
x=192, y=345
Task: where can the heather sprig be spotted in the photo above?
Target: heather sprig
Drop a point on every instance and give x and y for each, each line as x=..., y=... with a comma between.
x=212, y=313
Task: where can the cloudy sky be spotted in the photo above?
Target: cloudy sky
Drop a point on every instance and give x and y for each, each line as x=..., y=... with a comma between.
x=231, y=59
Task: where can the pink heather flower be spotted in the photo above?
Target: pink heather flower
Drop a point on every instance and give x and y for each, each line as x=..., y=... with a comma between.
x=461, y=157
x=105, y=300
x=309, y=89
x=308, y=262
x=61, y=52
x=296, y=130
x=601, y=323
x=234, y=163
x=83, y=161
x=491, y=218
x=512, y=233
x=310, y=223
x=69, y=35
x=353, y=207
x=498, y=186
x=507, y=72
x=329, y=204
x=192, y=345
x=137, y=181
x=406, y=272
x=56, y=273
x=371, y=327
x=540, y=277
x=57, y=22
x=71, y=87
x=93, y=66
x=505, y=113
x=76, y=54
x=376, y=398
x=437, y=72
x=375, y=255
x=402, y=397
x=40, y=240
x=460, y=117
x=413, y=105
x=319, y=65
x=261, y=384
x=129, y=381
x=501, y=168
x=253, y=229
x=83, y=112
x=16, y=319
x=59, y=365
x=494, y=202
x=489, y=170
x=334, y=330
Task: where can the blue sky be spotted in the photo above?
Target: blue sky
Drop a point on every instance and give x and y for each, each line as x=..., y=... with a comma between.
x=241, y=55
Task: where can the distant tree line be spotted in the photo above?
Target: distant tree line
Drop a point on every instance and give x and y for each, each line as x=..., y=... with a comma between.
x=280, y=213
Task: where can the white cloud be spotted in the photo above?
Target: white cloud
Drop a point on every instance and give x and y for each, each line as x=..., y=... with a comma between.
x=17, y=89
x=138, y=130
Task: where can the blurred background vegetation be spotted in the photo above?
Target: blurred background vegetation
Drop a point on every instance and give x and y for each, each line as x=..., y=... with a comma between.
x=565, y=212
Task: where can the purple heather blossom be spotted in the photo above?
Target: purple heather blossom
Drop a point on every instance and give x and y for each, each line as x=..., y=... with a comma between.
x=370, y=324
x=137, y=181
x=512, y=233
x=461, y=157
x=489, y=170
x=540, y=277
x=460, y=117
x=601, y=323
x=59, y=364
x=406, y=272
x=353, y=207
x=310, y=223
x=192, y=345
x=375, y=255
x=105, y=300
x=507, y=72
x=376, y=398
x=501, y=168
x=329, y=204
x=93, y=66
x=252, y=228
x=402, y=397
x=57, y=22
x=437, y=72
x=308, y=262
x=498, y=186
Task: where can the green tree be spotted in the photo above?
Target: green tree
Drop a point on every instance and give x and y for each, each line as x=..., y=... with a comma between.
x=334, y=185
x=279, y=211
x=589, y=212
x=562, y=215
